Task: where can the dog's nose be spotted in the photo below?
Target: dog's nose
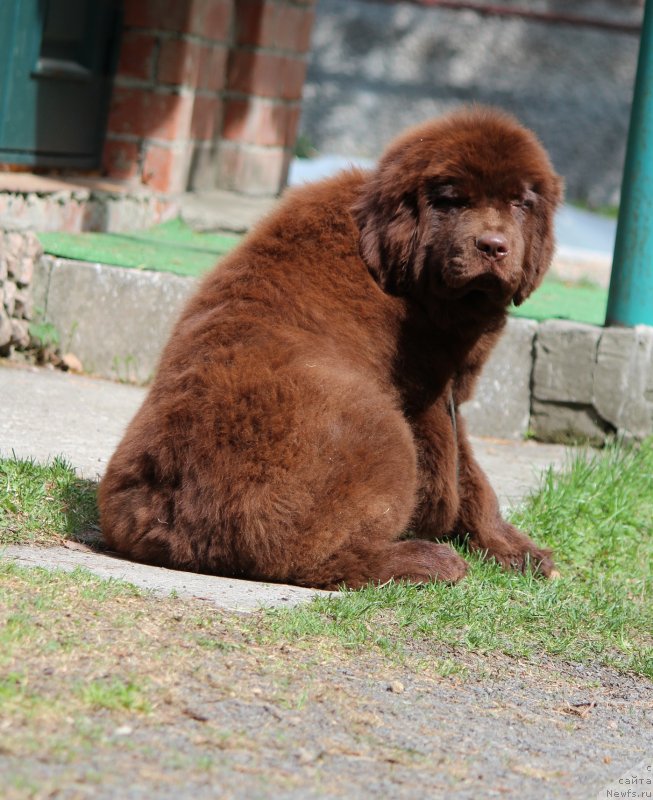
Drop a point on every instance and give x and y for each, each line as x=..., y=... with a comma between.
x=493, y=245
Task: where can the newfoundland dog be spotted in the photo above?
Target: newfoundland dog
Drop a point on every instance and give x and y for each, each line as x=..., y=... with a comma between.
x=303, y=426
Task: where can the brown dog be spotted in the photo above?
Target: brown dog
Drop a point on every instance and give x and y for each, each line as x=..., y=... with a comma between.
x=304, y=419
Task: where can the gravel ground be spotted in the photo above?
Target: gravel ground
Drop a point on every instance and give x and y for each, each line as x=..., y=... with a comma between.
x=279, y=721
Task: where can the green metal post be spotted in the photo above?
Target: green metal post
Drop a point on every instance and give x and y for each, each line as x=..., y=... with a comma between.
x=630, y=301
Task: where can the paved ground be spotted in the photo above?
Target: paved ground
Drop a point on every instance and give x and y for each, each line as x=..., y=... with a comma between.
x=47, y=413
x=248, y=721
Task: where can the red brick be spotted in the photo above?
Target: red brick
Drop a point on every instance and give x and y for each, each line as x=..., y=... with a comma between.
x=120, y=159
x=164, y=169
x=292, y=125
x=211, y=19
x=141, y=112
x=256, y=23
x=256, y=73
x=293, y=74
x=179, y=62
x=167, y=15
x=294, y=27
x=274, y=25
x=258, y=121
x=206, y=117
x=213, y=68
x=251, y=171
x=137, y=55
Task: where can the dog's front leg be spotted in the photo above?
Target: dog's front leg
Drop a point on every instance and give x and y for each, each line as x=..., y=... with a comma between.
x=480, y=518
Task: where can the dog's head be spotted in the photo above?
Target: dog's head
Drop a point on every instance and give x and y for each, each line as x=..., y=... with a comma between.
x=460, y=211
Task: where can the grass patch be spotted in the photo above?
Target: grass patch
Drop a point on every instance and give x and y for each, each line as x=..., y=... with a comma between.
x=597, y=517
x=555, y=299
x=43, y=503
x=95, y=672
x=114, y=695
x=170, y=247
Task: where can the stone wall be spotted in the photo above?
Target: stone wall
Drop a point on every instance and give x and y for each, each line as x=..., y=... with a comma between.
x=557, y=380
x=42, y=203
x=19, y=252
x=566, y=381
x=376, y=68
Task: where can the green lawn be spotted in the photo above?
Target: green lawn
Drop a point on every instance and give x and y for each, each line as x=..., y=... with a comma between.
x=174, y=247
x=43, y=503
x=171, y=247
x=556, y=299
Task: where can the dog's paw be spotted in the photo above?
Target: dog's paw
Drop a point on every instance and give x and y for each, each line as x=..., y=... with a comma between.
x=419, y=561
x=514, y=550
x=448, y=565
x=535, y=559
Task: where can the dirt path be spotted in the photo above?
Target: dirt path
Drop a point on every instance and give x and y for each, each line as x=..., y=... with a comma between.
x=235, y=715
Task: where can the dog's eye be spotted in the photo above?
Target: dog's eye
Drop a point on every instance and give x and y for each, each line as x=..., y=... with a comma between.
x=446, y=196
x=525, y=200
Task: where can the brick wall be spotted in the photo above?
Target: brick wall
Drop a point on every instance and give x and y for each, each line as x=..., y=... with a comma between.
x=262, y=99
x=208, y=93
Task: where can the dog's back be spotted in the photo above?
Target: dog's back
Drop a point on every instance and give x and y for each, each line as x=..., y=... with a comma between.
x=243, y=454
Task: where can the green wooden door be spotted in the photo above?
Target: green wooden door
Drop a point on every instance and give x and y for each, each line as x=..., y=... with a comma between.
x=56, y=60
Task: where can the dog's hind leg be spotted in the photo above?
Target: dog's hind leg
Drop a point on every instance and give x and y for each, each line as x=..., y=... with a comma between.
x=412, y=560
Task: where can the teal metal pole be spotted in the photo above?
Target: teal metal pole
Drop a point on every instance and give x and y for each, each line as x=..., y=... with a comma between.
x=630, y=301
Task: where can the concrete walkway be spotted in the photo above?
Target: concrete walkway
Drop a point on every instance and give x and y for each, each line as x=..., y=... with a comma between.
x=47, y=413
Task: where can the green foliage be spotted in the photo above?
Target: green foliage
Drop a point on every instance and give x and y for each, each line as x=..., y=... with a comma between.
x=44, y=334
x=304, y=147
x=114, y=695
x=43, y=502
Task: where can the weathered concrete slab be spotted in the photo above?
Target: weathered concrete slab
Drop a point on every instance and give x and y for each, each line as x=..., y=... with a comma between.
x=623, y=374
x=115, y=320
x=568, y=423
x=219, y=210
x=565, y=355
x=591, y=382
x=228, y=593
x=501, y=404
x=46, y=413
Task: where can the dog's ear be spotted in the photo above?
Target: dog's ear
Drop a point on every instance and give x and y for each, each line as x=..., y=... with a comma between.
x=389, y=234
x=540, y=249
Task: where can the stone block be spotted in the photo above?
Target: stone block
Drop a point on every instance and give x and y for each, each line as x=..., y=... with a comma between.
x=566, y=423
x=565, y=355
x=621, y=379
x=20, y=333
x=40, y=284
x=24, y=271
x=23, y=304
x=115, y=320
x=5, y=329
x=500, y=406
x=9, y=299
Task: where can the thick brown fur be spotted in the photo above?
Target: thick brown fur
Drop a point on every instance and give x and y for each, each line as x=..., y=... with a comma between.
x=300, y=425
